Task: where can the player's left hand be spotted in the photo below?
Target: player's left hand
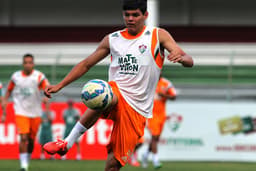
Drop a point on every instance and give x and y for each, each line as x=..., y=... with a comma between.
x=176, y=56
x=51, y=89
x=168, y=117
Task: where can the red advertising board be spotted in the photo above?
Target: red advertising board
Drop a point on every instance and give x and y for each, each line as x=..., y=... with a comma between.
x=93, y=142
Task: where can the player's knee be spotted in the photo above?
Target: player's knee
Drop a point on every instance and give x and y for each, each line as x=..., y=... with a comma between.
x=155, y=138
x=113, y=165
x=114, y=100
x=112, y=104
x=24, y=139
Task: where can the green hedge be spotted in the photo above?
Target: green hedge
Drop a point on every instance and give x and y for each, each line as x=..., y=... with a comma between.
x=214, y=75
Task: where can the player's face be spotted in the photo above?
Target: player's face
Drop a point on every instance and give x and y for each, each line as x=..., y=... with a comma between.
x=134, y=20
x=28, y=64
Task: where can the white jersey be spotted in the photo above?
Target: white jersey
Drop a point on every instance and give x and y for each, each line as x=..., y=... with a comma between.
x=135, y=67
x=26, y=93
x=1, y=89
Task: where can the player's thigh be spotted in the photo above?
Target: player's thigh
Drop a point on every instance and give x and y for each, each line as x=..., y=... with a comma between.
x=23, y=124
x=34, y=127
x=154, y=127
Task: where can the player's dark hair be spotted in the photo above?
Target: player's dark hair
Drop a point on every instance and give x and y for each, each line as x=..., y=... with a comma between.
x=135, y=4
x=28, y=55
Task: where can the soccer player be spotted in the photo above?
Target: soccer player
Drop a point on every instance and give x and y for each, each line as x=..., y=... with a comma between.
x=71, y=115
x=2, y=102
x=45, y=133
x=164, y=91
x=137, y=56
x=25, y=86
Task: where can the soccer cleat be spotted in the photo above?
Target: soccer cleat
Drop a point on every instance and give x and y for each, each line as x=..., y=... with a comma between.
x=158, y=165
x=135, y=164
x=24, y=169
x=59, y=146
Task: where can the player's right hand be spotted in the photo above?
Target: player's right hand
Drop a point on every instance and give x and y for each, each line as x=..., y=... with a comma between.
x=51, y=89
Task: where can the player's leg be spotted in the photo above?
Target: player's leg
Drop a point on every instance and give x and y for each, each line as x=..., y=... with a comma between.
x=154, y=127
x=155, y=158
x=23, y=149
x=127, y=129
x=78, y=151
x=42, y=156
x=42, y=142
x=24, y=141
x=112, y=164
x=30, y=145
x=34, y=124
x=87, y=120
x=154, y=145
x=23, y=125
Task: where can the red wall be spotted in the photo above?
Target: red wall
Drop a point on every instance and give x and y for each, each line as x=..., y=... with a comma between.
x=92, y=143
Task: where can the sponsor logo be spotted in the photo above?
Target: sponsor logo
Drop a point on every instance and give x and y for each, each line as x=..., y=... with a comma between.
x=184, y=141
x=236, y=148
x=128, y=64
x=179, y=141
x=237, y=124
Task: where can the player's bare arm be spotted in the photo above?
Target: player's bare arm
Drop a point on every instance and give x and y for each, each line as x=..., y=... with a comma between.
x=176, y=54
x=168, y=96
x=4, y=104
x=82, y=67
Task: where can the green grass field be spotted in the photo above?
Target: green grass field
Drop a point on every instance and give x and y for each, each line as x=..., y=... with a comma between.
x=69, y=165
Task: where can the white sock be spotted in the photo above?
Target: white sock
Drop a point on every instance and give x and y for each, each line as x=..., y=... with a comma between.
x=155, y=159
x=132, y=158
x=24, y=160
x=29, y=157
x=146, y=154
x=75, y=133
x=78, y=156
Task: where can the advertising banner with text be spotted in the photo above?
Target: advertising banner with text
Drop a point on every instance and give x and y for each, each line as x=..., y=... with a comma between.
x=208, y=131
x=196, y=131
x=92, y=143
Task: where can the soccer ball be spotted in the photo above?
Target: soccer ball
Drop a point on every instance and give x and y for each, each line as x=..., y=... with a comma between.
x=97, y=94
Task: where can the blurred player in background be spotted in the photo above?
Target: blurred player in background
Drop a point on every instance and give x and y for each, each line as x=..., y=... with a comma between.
x=136, y=63
x=71, y=115
x=164, y=91
x=25, y=86
x=2, y=102
x=45, y=133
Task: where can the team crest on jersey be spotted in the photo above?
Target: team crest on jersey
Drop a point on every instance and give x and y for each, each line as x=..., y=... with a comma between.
x=142, y=48
x=115, y=35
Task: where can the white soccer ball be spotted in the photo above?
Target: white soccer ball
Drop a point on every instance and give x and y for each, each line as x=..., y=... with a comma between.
x=97, y=94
